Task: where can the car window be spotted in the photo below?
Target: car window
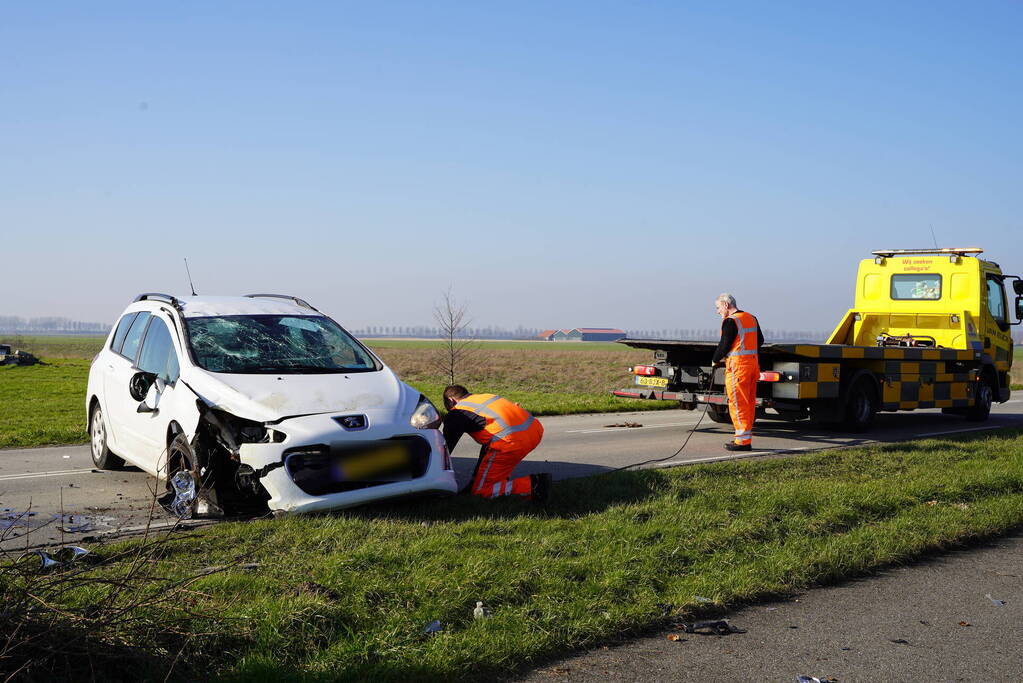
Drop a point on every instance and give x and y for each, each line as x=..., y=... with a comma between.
x=158, y=355
x=122, y=329
x=276, y=343
x=131, y=340
x=995, y=298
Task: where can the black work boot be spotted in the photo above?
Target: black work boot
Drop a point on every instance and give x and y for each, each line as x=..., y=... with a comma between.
x=732, y=446
x=541, y=487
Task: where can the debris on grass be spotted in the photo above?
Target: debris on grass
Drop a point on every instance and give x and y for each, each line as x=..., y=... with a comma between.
x=433, y=627
x=480, y=612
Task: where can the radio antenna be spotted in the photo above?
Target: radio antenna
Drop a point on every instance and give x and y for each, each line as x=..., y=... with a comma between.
x=932, y=235
x=189, y=277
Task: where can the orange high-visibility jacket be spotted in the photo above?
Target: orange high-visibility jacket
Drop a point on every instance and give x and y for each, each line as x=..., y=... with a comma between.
x=744, y=348
x=506, y=422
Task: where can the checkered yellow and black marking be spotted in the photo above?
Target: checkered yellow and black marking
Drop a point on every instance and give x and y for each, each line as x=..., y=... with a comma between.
x=839, y=351
x=808, y=380
x=923, y=382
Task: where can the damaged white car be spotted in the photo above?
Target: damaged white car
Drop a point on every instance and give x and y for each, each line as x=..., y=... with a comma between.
x=246, y=404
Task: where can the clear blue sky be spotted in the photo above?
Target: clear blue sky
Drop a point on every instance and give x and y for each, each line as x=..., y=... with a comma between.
x=556, y=164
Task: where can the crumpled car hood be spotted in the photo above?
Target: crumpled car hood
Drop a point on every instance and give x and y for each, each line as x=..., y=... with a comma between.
x=268, y=398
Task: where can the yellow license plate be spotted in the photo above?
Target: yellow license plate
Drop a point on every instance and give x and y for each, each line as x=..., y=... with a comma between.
x=652, y=381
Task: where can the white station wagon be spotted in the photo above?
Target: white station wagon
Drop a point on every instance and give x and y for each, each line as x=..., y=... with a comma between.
x=243, y=404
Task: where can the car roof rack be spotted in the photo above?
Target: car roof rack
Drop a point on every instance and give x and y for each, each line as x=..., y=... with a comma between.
x=958, y=251
x=301, y=302
x=157, y=296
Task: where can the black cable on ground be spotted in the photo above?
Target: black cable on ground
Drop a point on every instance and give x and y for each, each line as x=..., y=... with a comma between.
x=680, y=449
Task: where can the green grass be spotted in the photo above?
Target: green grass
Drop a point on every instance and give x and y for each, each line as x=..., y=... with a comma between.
x=598, y=563
x=43, y=404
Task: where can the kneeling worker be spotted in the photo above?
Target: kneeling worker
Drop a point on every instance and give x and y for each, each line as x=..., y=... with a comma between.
x=507, y=433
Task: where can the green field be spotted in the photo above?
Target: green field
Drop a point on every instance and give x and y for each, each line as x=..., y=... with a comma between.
x=44, y=404
x=347, y=596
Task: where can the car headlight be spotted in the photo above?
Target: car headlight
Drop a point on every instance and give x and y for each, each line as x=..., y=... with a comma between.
x=425, y=416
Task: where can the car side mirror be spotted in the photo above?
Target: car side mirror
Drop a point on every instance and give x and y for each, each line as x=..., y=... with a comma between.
x=138, y=385
x=152, y=399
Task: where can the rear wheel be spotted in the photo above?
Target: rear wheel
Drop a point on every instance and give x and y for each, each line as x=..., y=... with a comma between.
x=102, y=457
x=718, y=414
x=860, y=406
x=981, y=407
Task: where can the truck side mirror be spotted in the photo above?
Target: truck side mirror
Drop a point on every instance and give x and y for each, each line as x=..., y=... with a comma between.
x=1019, y=307
x=1017, y=285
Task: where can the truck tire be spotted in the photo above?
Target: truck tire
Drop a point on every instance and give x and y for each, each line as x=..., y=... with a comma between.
x=718, y=414
x=981, y=407
x=860, y=406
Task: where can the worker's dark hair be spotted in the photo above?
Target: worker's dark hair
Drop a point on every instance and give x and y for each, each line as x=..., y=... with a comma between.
x=455, y=392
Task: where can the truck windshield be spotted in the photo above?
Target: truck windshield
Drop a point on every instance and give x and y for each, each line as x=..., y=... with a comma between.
x=916, y=286
x=275, y=344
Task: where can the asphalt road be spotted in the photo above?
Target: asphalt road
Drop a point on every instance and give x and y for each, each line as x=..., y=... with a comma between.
x=954, y=617
x=53, y=495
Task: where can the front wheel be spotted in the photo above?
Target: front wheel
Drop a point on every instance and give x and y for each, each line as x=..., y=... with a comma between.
x=981, y=408
x=102, y=457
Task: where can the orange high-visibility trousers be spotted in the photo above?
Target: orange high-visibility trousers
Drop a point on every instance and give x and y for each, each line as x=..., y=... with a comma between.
x=499, y=458
x=741, y=375
x=509, y=434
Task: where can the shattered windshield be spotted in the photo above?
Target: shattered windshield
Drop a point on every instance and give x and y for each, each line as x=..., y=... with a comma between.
x=275, y=344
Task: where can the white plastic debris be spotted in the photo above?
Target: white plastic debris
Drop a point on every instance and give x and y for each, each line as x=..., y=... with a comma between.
x=480, y=612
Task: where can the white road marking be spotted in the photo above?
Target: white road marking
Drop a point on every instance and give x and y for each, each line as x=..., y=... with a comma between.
x=960, y=431
x=33, y=475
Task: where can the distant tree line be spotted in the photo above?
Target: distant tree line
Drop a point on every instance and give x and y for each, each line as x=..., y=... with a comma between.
x=49, y=325
x=521, y=332
x=713, y=333
x=432, y=332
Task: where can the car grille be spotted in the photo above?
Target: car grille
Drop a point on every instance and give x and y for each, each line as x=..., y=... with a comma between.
x=348, y=466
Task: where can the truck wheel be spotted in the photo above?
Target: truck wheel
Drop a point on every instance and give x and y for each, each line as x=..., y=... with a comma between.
x=981, y=407
x=718, y=414
x=860, y=406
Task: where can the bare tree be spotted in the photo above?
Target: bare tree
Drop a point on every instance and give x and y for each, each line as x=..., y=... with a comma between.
x=458, y=345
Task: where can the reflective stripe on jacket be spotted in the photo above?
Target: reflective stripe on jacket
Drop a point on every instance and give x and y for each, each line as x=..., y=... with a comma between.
x=745, y=343
x=506, y=421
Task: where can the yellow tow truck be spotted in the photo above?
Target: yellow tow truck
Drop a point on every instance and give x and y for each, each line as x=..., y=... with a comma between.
x=930, y=328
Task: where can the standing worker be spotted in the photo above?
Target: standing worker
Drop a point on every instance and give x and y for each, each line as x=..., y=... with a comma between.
x=739, y=347
x=506, y=432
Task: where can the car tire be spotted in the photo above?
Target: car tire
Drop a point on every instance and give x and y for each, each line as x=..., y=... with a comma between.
x=102, y=457
x=180, y=458
x=718, y=414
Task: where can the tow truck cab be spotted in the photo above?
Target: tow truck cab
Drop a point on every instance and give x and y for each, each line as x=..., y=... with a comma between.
x=936, y=298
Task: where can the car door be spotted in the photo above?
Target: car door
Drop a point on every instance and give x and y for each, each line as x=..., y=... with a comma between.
x=159, y=357
x=120, y=406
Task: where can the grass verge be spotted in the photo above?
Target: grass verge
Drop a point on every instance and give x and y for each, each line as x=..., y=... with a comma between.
x=346, y=596
x=43, y=404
